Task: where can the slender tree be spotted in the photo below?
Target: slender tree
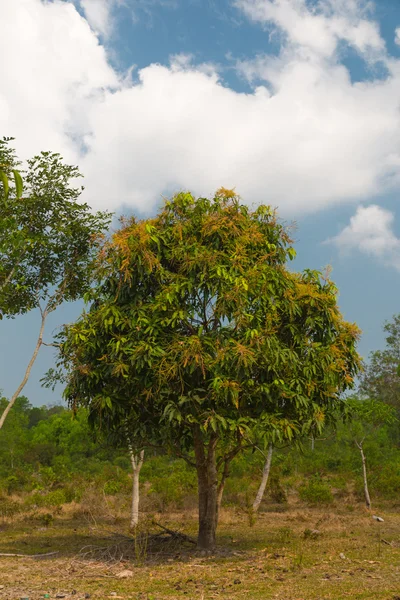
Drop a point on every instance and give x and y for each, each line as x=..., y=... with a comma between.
x=48, y=242
x=367, y=416
x=200, y=338
x=264, y=479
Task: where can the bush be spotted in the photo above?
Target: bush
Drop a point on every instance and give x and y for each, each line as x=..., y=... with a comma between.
x=73, y=493
x=112, y=487
x=315, y=492
x=275, y=489
x=45, y=519
x=123, y=462
x=170, y=482
x=52, y=499
x=55, y=498
x=12, y=484
x=387, y=483
x=8, y=508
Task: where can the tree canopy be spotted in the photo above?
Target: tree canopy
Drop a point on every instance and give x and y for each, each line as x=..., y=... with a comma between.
x=381, y=378
x=47, y=237
x=201, y=339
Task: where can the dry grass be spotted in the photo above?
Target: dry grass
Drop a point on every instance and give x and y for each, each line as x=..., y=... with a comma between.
x=276, y=558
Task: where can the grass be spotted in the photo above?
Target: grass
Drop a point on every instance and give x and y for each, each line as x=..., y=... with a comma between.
x=280, y=557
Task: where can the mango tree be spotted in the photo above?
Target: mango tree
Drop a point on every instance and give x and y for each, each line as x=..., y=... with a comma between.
x=201, y=340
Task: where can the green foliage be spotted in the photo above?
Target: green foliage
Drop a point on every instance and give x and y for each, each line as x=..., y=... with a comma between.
x=112, y=487
x=7, y=171
x=275, y=489
x=52, y=499
x=48, y=239
x=316, y=492
x=380, y=379
x=12, y=484
x=198, y=323
x=45, y=519
x=171, y=482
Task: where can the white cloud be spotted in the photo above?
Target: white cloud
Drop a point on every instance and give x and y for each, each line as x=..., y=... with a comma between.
x=397, y=36
x=318, y=27
x=98, y=14
x=371, y=232
x=305, y=137
x=54, y=73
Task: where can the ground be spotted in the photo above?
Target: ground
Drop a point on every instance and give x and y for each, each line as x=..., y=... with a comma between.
x=298, y=553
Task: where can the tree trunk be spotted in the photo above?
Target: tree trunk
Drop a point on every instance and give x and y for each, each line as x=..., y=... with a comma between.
x=264, y=480
x=21, y=386
x=364, y=467
x=137, y=462
x=207, y=477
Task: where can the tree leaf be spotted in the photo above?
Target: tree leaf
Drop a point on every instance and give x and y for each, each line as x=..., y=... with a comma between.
x=4, y=180
x=19, y=186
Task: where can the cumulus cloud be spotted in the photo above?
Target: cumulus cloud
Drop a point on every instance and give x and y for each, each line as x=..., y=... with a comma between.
x=371, y=232
x=304, y=138
x=53, y=70
x=98, y=14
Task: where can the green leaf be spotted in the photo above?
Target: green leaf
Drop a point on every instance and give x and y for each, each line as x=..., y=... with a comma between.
x=4, y=180
x=19, y=186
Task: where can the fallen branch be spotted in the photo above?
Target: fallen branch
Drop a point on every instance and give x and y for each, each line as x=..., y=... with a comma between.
x=30, y=555
x=176, y=534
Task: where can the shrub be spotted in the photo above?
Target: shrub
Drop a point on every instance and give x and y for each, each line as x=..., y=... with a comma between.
x=112, y=487
x=8, y=508
x=73, y=493
x=123, y=462
x=12, y=484
x=45, y=519
x=275, y=489
x=52, y=499
x=315, y=492
x=170, y=485
x=387, y=483
x=55, y=498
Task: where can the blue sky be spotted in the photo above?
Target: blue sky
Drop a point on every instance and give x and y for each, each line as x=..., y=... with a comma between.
x=293, y=102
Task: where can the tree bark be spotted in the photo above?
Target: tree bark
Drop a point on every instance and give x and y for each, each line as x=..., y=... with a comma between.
x=136, y=462
x=207, y=476
x=28, y=370
x=364, y=467
x=264, y=480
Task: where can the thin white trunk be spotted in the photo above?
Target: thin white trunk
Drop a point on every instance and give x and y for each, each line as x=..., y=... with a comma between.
x=264, y=480
x=137, y=462
x=364, y=467
x=28, y=370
